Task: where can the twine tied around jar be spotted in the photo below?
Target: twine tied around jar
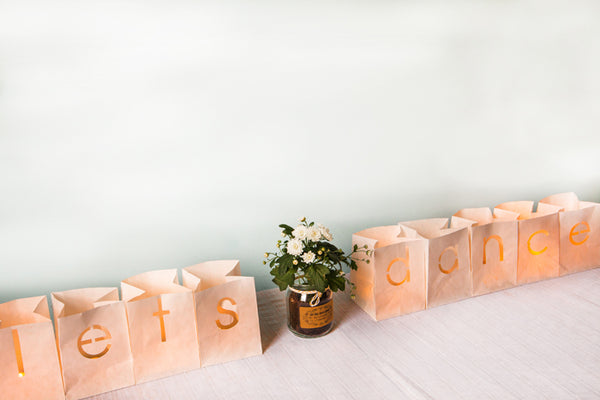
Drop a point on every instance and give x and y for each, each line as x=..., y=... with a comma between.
x=316, y=298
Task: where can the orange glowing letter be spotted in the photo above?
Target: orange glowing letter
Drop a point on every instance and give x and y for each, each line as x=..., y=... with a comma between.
x=536, y=252
x=81, y=343
x=454, y=266
x=17, y=343
x=228, y=312
x=405, y=262
x=161, y=314
x=575, y=233
x=500, y=247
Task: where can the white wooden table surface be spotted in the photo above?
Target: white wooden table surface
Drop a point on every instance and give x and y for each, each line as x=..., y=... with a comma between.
x=538, y=341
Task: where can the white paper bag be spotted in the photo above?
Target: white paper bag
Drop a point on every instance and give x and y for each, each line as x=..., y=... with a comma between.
x=579, y=224
x=494, y=247
x=449, y=272
x=29, y=368
x=93, y=341
x=162, y=325
x=538, y=240
x=393, y=282
x=226, y=311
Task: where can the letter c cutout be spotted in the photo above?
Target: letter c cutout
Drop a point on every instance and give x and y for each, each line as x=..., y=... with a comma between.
x=536, y=252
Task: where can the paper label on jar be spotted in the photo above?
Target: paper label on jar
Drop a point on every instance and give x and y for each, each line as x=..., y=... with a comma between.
x=316, y=317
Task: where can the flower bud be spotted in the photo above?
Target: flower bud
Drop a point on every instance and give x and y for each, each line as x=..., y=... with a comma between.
x=295, y=262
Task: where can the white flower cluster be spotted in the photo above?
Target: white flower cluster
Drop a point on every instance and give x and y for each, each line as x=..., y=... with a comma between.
x=295, y=246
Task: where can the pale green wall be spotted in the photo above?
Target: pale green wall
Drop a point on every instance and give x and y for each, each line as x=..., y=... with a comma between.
x=137, y=136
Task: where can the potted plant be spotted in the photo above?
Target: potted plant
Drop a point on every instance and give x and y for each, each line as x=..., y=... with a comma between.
x=309, y=266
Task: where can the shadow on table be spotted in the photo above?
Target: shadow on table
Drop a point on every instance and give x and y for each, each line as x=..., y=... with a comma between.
x=344, y=309
x=272, y=316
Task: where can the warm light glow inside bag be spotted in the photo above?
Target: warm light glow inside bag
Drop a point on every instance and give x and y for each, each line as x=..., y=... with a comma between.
x=162, y=324
x=494, y=247
x=29, y=368
x=579, y=224
x=448, y=273
x=226, y=311
x=393, y=282
x=93, y=341
x=538, y=240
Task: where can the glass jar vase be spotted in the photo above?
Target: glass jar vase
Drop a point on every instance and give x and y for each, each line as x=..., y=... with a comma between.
x=310, y=312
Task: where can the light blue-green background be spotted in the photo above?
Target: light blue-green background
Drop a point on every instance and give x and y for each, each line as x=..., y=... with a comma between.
x=140, y=135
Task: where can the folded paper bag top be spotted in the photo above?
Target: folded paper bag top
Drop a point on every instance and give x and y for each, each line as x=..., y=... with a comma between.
x=448, y=274
x=382, y=236
x=162, y=325
x=567, y=201
x=525, y=209
x=78, y=301
x=24, y=311
x=393, y=282
x=210, y=274
x=430, y=228
x=481, y=216
x=93, y=341
x=579, y=224
x=150, y=284
x=29, y=367
x=538, y=248
x=226, y=311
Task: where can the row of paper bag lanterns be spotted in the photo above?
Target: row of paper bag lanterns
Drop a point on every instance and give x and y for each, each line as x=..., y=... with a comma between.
x=427, y=263
x=159, y=328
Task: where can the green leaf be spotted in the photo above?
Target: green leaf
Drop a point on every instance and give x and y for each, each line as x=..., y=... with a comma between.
x=316, y=278
x=334, y=257
x=285, y=280
x=286, y=229
x=322, y=269
x=336, y=282
x=285, y=262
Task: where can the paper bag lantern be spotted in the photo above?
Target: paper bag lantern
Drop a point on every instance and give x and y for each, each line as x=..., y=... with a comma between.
x=448, y=270
x=162, y=325
x=29, y=367
x=93, y=341
x=226, y=311
x=537, y=257
x=393, y=282
x=494, y=247
x=579, y=224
